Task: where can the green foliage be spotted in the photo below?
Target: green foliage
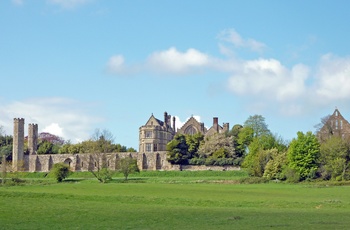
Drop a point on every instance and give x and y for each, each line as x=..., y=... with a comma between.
x=303, y=155
x=177, y=150
x=274, y=167
x=291, y=175
x=334, y=159
x=60, y=171
x=254, y=180
x=193, y=142
x=127, y=166
x=47, y=147
x=258, y=125
x=262, y=150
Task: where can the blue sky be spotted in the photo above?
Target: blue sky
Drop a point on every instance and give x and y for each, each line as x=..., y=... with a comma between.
x=75, y=65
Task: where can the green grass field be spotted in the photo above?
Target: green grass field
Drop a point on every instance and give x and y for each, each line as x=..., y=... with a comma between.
x=205, y=200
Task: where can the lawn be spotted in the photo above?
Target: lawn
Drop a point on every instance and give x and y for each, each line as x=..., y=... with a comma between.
x=172, y=202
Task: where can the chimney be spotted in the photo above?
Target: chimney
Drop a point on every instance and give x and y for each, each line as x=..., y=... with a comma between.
x=216, y=124
x=174, y=123
x=165, y=118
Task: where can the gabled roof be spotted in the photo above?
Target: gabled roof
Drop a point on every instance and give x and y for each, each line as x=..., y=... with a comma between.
x=154, y=119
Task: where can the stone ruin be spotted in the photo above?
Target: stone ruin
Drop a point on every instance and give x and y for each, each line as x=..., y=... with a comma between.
x=33, y=162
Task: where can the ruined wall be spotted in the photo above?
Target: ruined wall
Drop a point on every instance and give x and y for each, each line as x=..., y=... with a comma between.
x=86, y=162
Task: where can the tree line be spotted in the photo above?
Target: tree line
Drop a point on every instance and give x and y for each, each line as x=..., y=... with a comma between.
x=253, y=147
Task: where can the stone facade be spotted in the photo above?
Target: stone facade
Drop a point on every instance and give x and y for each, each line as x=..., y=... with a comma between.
x=153, y=137
x=335, y=125
x=156, y=134
x=18, y=143
x=32, y=138
x=87, y=162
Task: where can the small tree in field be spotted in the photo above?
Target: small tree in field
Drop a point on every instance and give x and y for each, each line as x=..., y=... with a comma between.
x=60, y=171
x=127, y=166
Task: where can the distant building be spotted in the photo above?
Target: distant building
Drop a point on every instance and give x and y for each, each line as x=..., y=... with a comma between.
x=335, y=125
x=156, y=134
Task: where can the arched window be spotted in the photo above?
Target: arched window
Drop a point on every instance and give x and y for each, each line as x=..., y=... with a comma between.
x=190, y=130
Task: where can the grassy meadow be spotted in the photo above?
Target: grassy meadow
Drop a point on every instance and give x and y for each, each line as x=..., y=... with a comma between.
x=172, y=200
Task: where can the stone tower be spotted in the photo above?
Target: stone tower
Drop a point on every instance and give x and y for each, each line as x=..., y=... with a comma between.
x=32, y=138
x=18, y=143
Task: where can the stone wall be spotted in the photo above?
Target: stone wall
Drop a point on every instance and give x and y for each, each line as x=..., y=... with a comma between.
x=86, y=162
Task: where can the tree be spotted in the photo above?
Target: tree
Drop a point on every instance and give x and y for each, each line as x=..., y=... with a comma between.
x=60, y=171
x=303, y=155
x=218, y=146
x=45, y=147
x=260, y=151
x=193, y=142
x=127, y=166
x=257, y=123
x=334, y=159
x=100, y=144
x=177, y=150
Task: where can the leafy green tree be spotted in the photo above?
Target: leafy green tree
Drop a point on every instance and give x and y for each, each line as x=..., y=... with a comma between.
x=257, y=123
x=45, y=147
x=193, y=142
x=261, y=150
x=303, y=155
x=131, y=150
x=245, y=137
x=5, y=145
x=177, y=150
x=334, y=159
x=60, y=171
x=275, y=166
x=127, y=166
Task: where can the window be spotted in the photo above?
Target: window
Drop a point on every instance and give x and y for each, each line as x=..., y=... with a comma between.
x=341, y=124
x=155, y=147
x=148, y=134
x=148, y=147
x=336, y=124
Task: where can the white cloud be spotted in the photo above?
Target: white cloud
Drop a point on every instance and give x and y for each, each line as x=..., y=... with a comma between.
x=333, y=78
x=269, y=79
x=232, y=37
x=263, y=83
x=55, y=129
x=173, y=61
x=116, y=64
x=69, y=4
x=61, y=116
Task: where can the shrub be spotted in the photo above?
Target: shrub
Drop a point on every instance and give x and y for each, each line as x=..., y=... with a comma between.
x=291, y=175
x=253, y=180
x=60, y=171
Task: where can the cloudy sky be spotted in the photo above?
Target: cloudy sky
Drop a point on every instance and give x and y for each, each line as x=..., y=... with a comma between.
x=72, y=66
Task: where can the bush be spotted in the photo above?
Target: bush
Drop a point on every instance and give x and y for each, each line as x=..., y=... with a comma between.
x=197, y=161
x=291, y=175
x=253, y=180
x=60, y=171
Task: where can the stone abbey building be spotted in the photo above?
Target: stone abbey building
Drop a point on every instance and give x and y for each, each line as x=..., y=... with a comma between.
x=153, y=138
x=334, y=125
x=156, y=134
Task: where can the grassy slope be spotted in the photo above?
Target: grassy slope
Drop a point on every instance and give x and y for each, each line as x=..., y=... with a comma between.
x=90, y=205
